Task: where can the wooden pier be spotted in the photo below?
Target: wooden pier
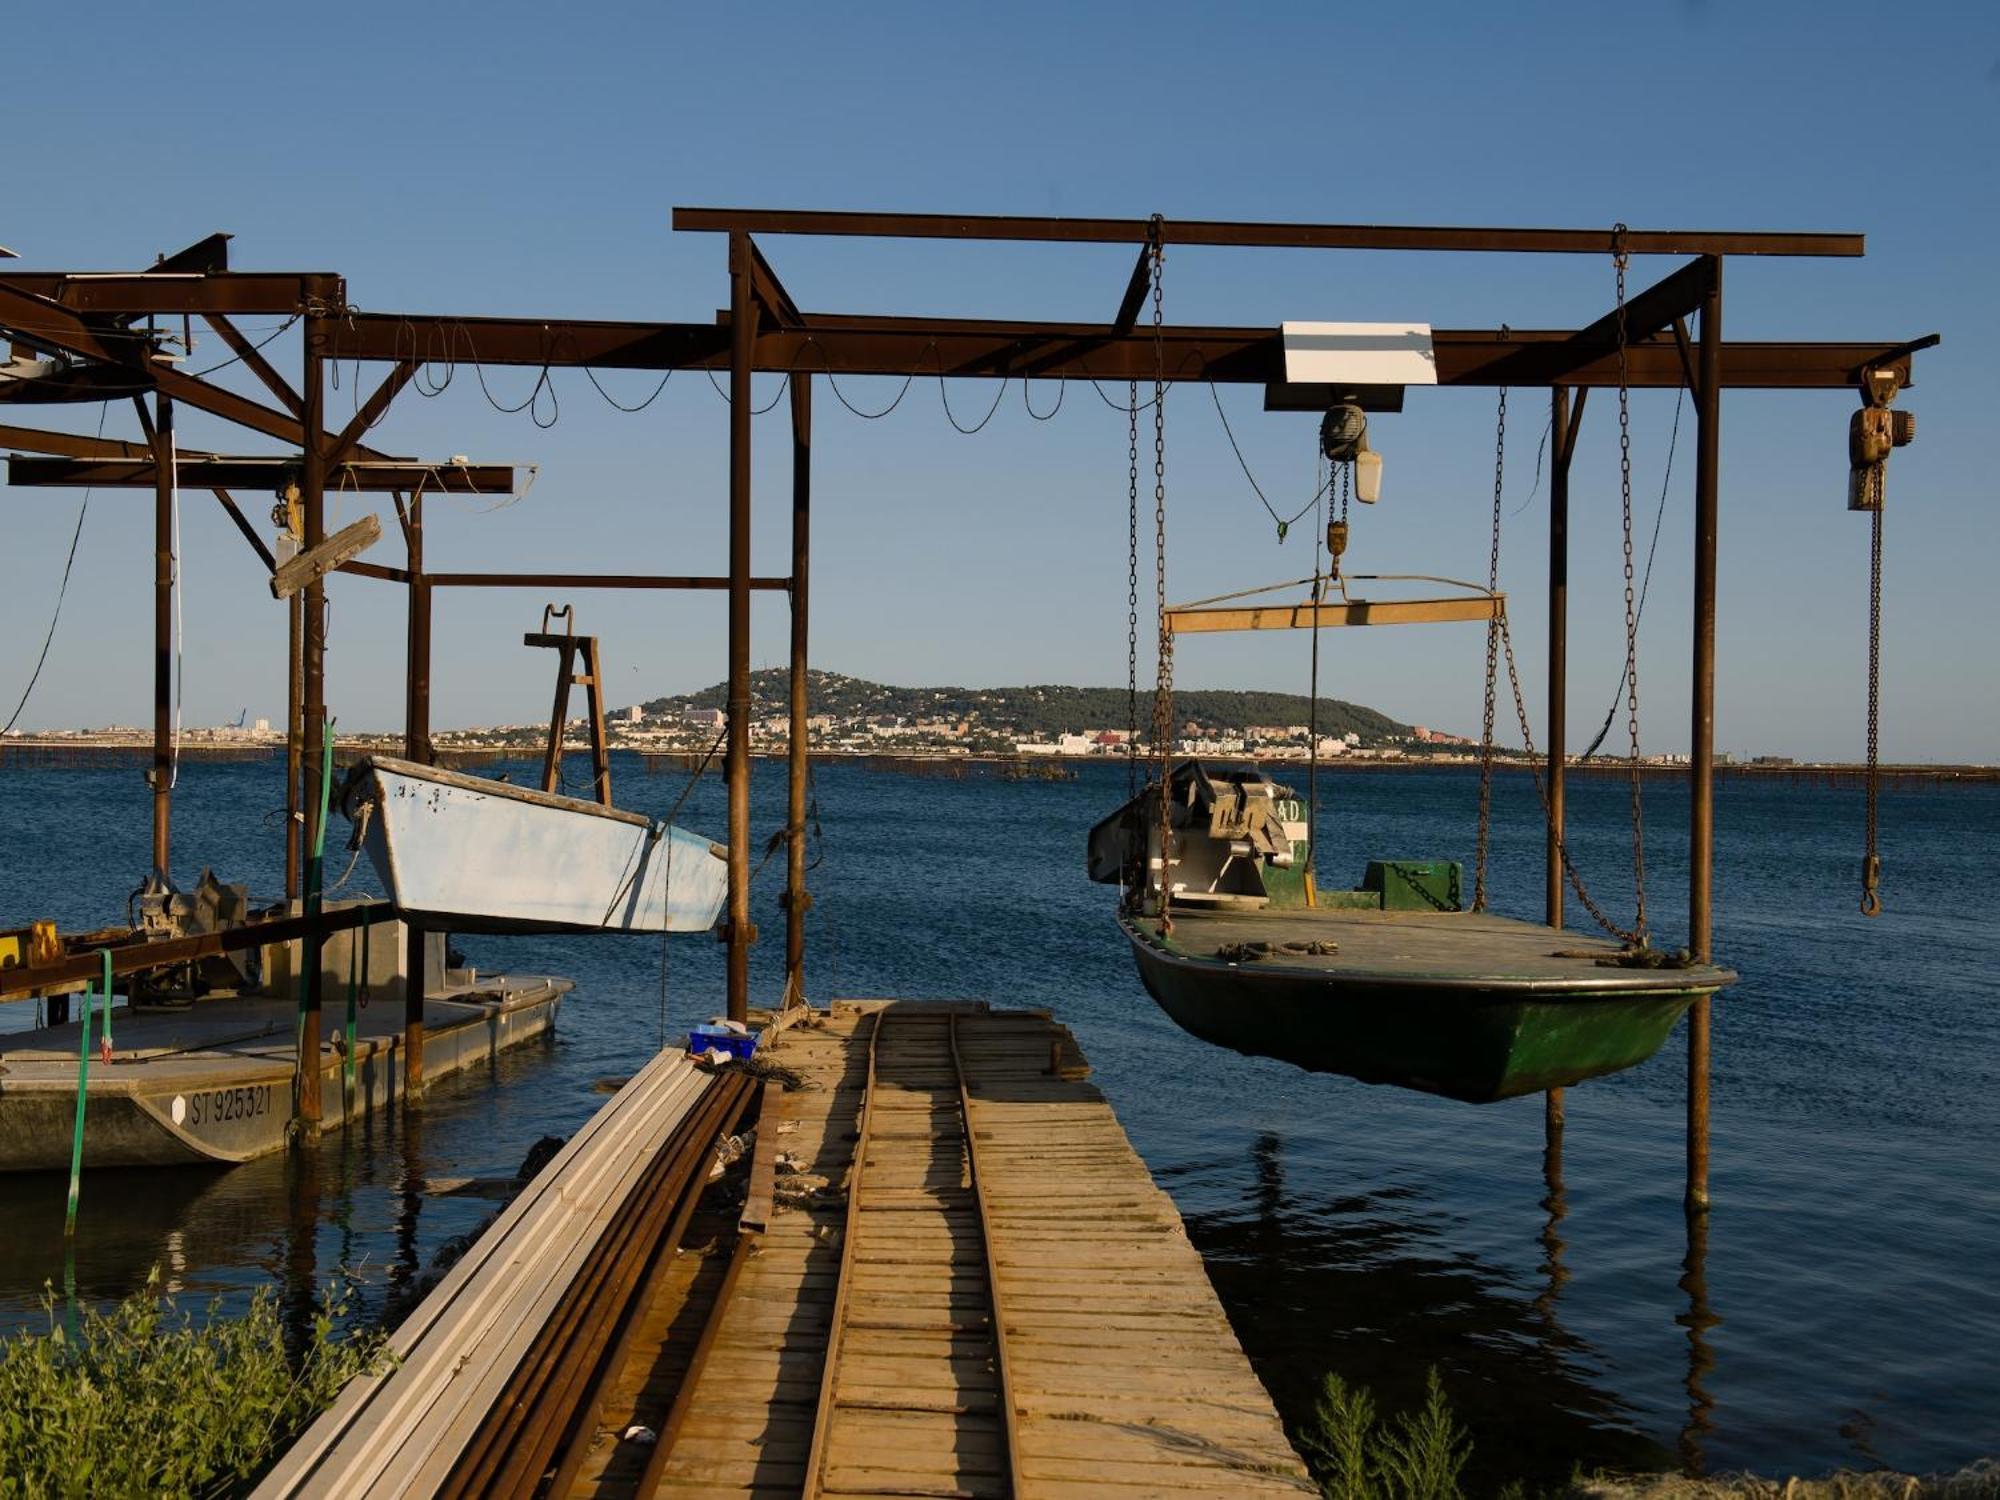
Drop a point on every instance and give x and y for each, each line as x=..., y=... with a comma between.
x=943, y=1271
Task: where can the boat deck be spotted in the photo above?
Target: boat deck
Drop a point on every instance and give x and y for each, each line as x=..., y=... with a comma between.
x=1424, y=948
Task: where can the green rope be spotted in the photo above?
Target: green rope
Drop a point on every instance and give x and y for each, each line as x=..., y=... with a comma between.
x=82, y=1090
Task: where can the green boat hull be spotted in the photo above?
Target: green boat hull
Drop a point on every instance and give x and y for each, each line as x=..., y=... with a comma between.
x=1462, y=1037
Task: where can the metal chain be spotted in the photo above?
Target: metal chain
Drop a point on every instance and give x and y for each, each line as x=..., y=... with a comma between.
x=1619, y=259
x=1132, y=594
x=1492, y=663
x=1871, y=862
x=1634, y=939
x=1163, y=689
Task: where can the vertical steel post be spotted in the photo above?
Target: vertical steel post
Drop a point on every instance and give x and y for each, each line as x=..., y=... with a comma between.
x=417, y=747
x=163, y=629
x=796, y=898
x=742, y=342
x=294, y=739
x=1701, y=799
x=312, y=494
x=1552, y=877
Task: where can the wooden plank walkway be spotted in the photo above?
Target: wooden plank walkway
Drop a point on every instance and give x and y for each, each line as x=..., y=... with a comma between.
x=1125, y=1377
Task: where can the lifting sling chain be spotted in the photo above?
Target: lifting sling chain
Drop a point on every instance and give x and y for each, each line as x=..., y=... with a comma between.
x=1637, y=937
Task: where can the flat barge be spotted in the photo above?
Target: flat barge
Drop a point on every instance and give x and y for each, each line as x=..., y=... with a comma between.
x=213, y=1084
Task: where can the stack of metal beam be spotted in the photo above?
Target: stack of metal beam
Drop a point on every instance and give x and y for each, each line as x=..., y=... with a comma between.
x=506, y=1316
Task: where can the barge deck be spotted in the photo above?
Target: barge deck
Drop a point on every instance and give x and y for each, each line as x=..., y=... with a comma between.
x=213, y=1083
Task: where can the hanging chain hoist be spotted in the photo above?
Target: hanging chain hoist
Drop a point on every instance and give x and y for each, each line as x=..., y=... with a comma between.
x=1872, y=433
x=1163, y=687
x=1492, y=660
x=1132, y=593
x=1619, y=260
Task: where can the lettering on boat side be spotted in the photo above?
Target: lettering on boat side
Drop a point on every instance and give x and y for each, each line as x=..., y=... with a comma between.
x=218, y=1106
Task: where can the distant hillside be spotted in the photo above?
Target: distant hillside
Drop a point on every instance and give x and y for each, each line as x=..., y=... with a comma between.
x=1039, y=711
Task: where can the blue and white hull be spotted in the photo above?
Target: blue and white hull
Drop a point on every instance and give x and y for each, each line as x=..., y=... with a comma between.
x=467, y=854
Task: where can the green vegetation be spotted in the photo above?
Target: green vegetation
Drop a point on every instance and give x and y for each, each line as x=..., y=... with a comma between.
x=1417, y=1456
x=140, y=1400
x=1422, y=1454
x=1039, y=711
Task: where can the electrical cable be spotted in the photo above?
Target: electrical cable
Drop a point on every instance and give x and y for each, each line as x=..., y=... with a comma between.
x=1284, y=524
x=61, y=592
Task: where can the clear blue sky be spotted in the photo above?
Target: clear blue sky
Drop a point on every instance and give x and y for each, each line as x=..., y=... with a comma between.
x=524, y=159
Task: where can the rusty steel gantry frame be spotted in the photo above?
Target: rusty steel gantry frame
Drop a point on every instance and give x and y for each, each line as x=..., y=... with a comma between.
x=89, y=319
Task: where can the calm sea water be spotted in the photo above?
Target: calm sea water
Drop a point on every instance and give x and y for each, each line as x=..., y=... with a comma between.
x=1842, y=1309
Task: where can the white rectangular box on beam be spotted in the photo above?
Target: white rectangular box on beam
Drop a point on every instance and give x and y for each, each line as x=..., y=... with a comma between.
x=1358, y=354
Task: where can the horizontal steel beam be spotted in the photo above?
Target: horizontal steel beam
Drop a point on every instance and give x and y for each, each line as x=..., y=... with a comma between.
x=440, y=342
x=262, y=474
x=136, y=293
x=850, y=345
x=1293, y=236
x=590, y=581
x=137, y=957
x=75, y=445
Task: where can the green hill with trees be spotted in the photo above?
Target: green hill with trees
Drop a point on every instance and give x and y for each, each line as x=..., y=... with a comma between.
x=1040, y=710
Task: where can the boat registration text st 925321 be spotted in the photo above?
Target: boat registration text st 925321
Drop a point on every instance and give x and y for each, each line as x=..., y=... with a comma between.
x=218, y=1105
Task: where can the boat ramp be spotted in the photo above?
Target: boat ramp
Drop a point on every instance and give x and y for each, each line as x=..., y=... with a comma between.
x=938, y=1269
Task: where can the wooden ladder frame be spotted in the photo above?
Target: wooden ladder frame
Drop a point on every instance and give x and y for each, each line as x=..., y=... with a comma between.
x=591, y=681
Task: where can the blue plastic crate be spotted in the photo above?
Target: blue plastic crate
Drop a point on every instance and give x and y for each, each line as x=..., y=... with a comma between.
x=721, y=1039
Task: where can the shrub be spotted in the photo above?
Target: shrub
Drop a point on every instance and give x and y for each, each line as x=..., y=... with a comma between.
x=139, y=1399
x=1418, y=1456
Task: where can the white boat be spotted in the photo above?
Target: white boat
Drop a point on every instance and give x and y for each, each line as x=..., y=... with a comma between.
x=469, y=854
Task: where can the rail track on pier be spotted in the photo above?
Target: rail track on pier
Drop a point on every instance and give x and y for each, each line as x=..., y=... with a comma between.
x=941, y=1270
x=915, y=1390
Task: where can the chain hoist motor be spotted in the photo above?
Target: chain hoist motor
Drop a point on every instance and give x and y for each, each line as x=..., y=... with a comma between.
x=1343, y=438
x=1872, y=433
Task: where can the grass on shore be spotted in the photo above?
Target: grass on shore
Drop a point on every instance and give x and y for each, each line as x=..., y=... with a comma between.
x=139, y=1399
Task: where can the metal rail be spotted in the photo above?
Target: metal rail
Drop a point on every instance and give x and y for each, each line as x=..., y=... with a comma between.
x=816, y=1461
x=1009, y=1415
x=844, y=1285
x=545, y=1415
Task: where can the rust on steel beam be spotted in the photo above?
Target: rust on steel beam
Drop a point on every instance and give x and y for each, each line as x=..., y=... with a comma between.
x=861, y=345
x=371, y=411
x=1655, y=309
x=73, y=445
x=249, y=532
x=52, y=327
x=1141, y=282
x=770, y=292
x=562, y=343
x=137, y=293
x=254, y=361
x=372, y=570
x=208, y=254
x=75, y=384
x=1279, y=236
x=201, y=472
x=592, y=581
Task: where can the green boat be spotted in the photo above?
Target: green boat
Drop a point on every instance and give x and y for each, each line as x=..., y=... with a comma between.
x=1389, y=983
